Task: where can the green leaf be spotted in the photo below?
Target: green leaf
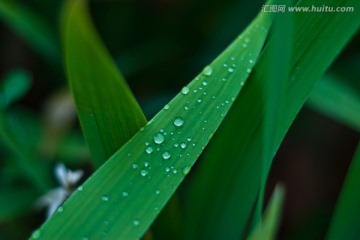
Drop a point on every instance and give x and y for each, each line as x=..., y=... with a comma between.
x=344, y=223
x=125, y=195
x=31, y=27
x=267, y=227
x=335, y=99
x=220, y=198
x=15, y=86
x=108, y=112
x=14, y=132
x=277, y=75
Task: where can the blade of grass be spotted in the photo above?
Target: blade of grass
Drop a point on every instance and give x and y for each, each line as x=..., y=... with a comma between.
x=124, y=196
x=108, y=112
x=332, y=97
x=279, y=49
x=31, y=27
x=344, y=223
x=220, y=198
x=12, y=133
x=268, y=225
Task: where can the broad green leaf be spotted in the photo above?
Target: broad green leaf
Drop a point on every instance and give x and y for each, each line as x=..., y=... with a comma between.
x=279, y=50
x=123, y=197
x=267, y=227
x=345, y=220
x=220, y=198
x=335, y=99
x=14, y=133
x=15, y=86
x=108, y=112
x=31, y=27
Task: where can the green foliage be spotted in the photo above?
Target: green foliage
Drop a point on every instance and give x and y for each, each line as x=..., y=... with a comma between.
x=337, y=100
x=108, y=112
x=225, y=126
x=347, y=209
x=137, y=181
x=267, y=227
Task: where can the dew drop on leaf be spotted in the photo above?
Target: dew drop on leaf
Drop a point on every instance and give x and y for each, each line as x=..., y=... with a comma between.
x=185, y=90
x=186, y=170
x=60, y=209
x=159, y=138
x=105, y=198
x=178, y=122
x=183, y=145
x=125, y=194
x=207, y=71
x=149, y=150
x=231, y=70
x=136, y=222
x=166, y=155
x=144, y=172
x=36, y=234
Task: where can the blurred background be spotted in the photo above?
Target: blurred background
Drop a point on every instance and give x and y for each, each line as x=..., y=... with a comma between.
x=159, y=46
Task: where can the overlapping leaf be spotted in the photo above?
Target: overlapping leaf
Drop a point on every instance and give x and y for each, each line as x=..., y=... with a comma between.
x=125, y=195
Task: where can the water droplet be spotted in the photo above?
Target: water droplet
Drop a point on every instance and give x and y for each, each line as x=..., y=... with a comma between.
x=143, y=172
x=159, y=138
x=167, y=169
x=80, y=188
x=36, y=234
x=185, y=90
x=225, y=65
x=166, y=107
x=60, y=209
x=146, y=164
x=183, y=145
x=149, y=150
x=186, y=108
x=85, y=238
x=188, y=139
x=178, y=122
x=134, y=166
x=157, y=192
x=186, y=170
x=247, y=40
x=223, y=79
x=136, y=222
x=244, y=45
x=174, y=171
x=199, y=100
x=166, y=155
x=248, y=70
x=231, y=70
x=204, y=83
x=105, y=198
x=125, y=194
x=207, y=71
x=251, y=61
x=176, y=145
x=232, y=58
x=232, y=99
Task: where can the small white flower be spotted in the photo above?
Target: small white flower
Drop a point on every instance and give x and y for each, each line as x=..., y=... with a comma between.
x=55, y=197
